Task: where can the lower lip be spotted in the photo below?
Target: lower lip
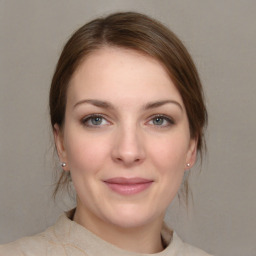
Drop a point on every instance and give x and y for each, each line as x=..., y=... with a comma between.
x=128, y=189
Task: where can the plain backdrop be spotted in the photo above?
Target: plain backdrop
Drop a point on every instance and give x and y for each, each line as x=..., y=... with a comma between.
x=220, y=35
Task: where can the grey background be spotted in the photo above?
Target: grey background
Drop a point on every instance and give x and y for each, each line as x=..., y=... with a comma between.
x=221, y=36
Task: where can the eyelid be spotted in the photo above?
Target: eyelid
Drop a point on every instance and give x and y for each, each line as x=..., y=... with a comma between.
x=169, y=119
x=90, y=116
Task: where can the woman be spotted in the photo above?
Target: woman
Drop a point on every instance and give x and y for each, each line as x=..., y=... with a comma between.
x=128, y=118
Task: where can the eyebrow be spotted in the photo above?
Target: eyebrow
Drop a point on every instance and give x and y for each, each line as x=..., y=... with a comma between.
x=97, y=103
x=157, y=104
x=107, y=105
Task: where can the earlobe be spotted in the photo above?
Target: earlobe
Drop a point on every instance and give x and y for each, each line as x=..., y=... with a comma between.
x=192, y=153
x=59, y=143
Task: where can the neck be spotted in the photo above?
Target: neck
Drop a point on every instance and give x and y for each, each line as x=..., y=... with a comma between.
x=143, y=239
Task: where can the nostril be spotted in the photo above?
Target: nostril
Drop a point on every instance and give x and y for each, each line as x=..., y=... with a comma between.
x=128, y=160
x=128, y=150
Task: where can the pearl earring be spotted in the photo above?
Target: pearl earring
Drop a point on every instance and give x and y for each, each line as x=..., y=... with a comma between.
x=188, y=165
x=63, y=164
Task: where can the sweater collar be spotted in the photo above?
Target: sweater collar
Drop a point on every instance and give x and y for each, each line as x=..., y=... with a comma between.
x=73, y=234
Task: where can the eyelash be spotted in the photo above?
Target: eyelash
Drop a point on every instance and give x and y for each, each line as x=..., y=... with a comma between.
x=88, y=118
x=169, y=120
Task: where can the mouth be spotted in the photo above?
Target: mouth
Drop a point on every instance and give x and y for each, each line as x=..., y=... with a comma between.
x=128, y=186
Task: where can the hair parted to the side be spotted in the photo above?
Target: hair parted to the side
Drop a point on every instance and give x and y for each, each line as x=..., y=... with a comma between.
x=140, y=33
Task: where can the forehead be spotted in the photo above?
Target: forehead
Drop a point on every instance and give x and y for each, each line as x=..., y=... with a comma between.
x=122, y=73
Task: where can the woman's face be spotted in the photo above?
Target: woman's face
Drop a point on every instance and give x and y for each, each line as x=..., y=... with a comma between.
x=125, y=139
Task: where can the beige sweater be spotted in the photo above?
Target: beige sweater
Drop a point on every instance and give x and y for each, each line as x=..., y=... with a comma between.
x=68, y=238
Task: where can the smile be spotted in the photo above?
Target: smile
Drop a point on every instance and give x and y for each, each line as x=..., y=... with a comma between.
x=126, y=186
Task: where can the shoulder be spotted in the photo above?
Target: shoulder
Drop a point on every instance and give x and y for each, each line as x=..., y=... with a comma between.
x=48, y=243
x=175, y=246
x=55, y=241
x=41, y=244
x=185, y=249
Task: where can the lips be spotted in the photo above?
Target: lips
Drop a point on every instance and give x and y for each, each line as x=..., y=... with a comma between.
x=128, y=186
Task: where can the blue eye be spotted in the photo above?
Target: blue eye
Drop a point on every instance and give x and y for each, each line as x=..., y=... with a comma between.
x=97, y=120
x=161, y=121
x=158, y=121
x=94, y=121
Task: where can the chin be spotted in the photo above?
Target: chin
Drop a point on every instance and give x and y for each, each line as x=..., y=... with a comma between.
x=130, y=222
x=132, y=217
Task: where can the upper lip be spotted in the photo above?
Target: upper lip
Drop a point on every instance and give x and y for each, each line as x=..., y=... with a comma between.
x=127, y=181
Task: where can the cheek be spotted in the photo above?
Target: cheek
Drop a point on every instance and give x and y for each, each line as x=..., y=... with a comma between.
x=169, y=159
x=169, y=154
x=86, y=154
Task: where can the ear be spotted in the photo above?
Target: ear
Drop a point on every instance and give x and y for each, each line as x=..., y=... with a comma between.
x=59, y=143
x=191, y=154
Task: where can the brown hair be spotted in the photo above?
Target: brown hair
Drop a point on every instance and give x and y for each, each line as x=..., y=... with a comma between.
x=141, y=33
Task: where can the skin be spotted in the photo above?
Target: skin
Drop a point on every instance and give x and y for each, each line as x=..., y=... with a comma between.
x=129, y=139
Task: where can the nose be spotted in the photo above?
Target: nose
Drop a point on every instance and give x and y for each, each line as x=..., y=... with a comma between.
x=128, y=147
